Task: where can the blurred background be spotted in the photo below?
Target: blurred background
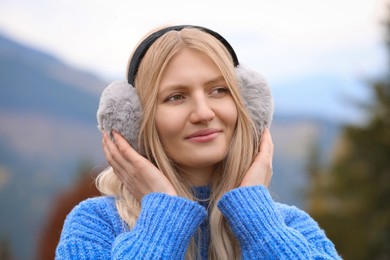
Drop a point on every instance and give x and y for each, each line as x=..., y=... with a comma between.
x=326, y=63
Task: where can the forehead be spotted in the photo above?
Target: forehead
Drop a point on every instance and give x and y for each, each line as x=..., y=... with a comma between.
x=189, y=66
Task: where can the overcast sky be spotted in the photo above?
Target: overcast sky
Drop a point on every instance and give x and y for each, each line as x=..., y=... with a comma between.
x=281, y=38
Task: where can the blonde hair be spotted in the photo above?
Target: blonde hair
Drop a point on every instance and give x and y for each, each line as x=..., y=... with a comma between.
x=228, y=173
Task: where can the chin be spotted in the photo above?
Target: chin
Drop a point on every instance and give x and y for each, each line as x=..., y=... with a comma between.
x=197, y=157
x=205, y=160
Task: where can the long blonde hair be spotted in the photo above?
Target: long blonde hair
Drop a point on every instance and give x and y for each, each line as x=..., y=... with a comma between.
x=228, y=174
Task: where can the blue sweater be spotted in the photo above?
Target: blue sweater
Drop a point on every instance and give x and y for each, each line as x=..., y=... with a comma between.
x=264, y=228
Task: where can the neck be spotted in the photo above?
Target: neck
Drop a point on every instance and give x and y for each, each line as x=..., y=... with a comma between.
x=198, y=176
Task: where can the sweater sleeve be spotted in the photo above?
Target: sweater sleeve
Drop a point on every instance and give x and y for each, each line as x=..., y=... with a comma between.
x=270, y=230
x=163, y=230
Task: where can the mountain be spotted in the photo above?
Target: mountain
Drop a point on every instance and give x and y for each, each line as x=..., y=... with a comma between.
x=47, y=132
x=38, y=83
x=48, y=136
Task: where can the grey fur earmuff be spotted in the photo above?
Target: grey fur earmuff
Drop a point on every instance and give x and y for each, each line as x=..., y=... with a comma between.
x=257, y=96
x=120, y=108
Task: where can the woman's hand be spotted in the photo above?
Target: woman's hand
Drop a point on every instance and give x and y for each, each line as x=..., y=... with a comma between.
x=138, y=174
x=260, y=172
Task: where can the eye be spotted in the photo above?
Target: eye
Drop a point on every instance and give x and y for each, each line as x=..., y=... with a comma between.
x=174, y=98
x=219, y=91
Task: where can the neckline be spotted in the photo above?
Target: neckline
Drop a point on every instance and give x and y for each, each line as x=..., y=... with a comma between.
x=202, y=192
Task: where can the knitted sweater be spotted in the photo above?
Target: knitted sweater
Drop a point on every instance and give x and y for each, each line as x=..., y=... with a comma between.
x=264, y=228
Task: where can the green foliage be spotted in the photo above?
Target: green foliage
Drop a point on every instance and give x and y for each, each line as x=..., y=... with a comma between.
x=350, y=200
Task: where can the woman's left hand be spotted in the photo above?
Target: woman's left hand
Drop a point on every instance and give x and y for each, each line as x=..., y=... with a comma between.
x=260, y=172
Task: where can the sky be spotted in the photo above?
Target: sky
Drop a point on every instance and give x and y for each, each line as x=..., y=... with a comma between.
x=281, y=38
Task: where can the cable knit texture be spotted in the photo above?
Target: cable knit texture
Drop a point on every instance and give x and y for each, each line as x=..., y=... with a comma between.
x=264, y=228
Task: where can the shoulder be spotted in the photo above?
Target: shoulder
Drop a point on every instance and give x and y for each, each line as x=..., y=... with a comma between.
x=290, y=212
x=95, y=213
x=89, y=230
x=298, y=219
x=101, y=206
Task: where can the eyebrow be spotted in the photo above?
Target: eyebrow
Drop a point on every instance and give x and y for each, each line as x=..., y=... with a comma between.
x=180, y=86
x=215, y=80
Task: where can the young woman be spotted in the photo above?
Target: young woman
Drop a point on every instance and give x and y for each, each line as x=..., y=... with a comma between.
x=190, y=156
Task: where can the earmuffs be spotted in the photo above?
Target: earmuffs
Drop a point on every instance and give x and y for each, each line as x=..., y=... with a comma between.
x=120, y=108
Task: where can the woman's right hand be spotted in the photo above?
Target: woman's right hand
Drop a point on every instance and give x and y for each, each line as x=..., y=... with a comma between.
x=138, y=174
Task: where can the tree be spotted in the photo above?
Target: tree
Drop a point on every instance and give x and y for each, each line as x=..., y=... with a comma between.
x=350, y=199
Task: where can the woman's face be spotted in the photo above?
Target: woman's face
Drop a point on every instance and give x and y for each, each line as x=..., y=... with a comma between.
x=196, y=115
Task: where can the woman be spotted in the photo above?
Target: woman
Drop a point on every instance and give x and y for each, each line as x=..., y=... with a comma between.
x=191, y=159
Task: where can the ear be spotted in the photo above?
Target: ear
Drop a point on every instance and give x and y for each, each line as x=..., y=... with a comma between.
x=257, y=96
x=120, y=109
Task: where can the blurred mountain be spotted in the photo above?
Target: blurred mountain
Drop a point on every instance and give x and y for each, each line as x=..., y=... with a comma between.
x=47, y=132
x=48, y=135
x=34, y=82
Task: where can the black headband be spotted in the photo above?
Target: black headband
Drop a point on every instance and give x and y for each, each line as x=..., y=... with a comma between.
x=139, y=53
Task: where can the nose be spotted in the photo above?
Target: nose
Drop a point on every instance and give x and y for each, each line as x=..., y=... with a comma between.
x=202, y=112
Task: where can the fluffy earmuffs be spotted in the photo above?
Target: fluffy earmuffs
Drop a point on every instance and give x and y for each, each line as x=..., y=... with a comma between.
x=120, y=108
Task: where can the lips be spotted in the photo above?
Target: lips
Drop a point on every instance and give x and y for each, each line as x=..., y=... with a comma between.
x=203, y=133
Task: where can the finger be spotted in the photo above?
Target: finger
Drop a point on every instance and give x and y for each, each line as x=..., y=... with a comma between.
x=266, y=136
x=125, y=148
x=267, y=150
x=118, y=170
x=109, y=157
x=137, y=162
x=126, y=157
x=266, y=144
x=265, y=156
x=112, y=154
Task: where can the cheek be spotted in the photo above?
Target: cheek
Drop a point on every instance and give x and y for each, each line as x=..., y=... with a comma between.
x=168, y=124
x=229, y=115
